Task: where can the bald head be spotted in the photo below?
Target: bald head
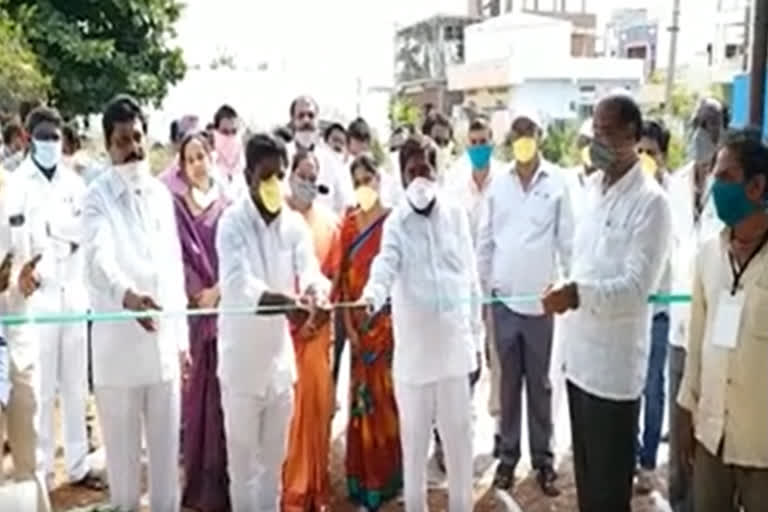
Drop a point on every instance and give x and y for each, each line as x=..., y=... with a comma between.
x=303, y=113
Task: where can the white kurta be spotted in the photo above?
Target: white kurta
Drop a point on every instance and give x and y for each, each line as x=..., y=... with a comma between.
x=257, y=366
x=50, y=213
x=131, y=243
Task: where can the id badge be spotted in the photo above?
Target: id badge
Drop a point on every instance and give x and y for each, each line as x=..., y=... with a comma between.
x=725, y=327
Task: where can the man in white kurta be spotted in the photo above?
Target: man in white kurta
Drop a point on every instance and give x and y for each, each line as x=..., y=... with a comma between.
x=48, y=196
x=134, y=263
x=427, y=264
x=265, y=251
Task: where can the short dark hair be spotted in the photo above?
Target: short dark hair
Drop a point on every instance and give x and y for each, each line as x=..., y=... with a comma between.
x=405, y=127
x=359, y=130
x=283, y=133
x=301, y=155
x=332, y=128
x=224, y=112
x=480, y=123
x=71, y=137
x=262, y=146
x=750, y=151
x=174, y=131
x=415, y=145
x=436, y=119
x=658, y=132
x=43, y=115
x=628, y=111
x=365, y=161
x=12, y=130
x=122, y=109
x=296, y=101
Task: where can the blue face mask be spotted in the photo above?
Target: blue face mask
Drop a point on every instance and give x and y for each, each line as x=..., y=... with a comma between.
x=480, y=156
x=731, y=202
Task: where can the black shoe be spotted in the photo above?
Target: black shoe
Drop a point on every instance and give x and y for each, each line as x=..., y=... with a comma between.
x=504, y=480
x=546, y=478
x=496, y=446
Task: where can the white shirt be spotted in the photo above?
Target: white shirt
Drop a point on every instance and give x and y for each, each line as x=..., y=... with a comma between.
x=5, y=245
x=521, y=234
x=577, y=180
x=618, y=255
x=334, y=174
x=131, y=243
x=428, y=265
x=44, y=217
x=462, y=186
x=689, y=235
x=255, y=351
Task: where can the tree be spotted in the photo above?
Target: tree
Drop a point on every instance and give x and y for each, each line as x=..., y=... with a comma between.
x=20, y=75
x=94, y=49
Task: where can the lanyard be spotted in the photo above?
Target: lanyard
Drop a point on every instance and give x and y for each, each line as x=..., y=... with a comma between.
x=738, y=271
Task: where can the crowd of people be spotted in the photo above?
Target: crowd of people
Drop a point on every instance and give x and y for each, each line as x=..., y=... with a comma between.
x=431, y=268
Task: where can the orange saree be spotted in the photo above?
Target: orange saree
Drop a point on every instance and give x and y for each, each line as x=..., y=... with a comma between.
x=306, y=478
x=374, y=459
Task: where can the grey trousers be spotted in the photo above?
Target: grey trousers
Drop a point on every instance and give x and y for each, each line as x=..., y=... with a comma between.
x=524, y=345
x=719, y=487
x=679, y=482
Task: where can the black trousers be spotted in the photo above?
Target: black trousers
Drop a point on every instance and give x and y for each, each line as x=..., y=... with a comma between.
x=603, y=435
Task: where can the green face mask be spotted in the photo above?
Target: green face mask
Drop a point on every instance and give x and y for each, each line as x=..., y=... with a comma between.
x=731, y=202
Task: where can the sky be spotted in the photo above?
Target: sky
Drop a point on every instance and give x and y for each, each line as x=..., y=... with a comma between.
x=329, y=48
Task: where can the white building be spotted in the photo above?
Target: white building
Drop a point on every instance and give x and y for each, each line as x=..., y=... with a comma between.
x=523, y=61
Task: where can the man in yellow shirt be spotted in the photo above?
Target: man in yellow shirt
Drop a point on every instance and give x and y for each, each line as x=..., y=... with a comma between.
x=723, y=416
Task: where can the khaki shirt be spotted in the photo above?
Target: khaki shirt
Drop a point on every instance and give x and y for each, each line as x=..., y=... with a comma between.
x=726, y=389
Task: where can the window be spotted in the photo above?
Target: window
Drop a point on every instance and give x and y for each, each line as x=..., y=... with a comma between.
x=732, y=50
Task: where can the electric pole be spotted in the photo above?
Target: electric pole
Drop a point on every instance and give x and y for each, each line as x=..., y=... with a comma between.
x=757, y=72
x=673, y=31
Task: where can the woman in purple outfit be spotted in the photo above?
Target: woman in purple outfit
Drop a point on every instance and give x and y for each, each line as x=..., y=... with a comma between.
x=199, y=201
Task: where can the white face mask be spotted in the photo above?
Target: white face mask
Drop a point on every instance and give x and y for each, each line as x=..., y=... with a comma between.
x=47, y=153
x=134, y=173
x=420, y=193
x=306, y=138
x=205, y=199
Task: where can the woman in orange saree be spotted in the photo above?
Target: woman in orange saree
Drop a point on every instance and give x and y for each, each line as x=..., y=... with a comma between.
x=306, y=477
x=373, y=459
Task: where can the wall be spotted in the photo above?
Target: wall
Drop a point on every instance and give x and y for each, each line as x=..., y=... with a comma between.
x=498, y=38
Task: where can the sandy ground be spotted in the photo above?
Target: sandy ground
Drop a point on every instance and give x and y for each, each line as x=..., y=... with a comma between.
x=526, y=495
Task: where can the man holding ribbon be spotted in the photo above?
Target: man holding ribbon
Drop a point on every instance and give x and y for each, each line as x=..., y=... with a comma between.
x=134, y=262
x=265, y=255
x=524, y=244
x=427, y=264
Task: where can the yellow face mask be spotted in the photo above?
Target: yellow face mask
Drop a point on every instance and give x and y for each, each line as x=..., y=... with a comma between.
x=524, y=149
x=648, y=164
x=366, y=197
x=271, y=194
x=586, y=158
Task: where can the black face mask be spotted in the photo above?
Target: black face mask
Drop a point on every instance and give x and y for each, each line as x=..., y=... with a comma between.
x=424, y=211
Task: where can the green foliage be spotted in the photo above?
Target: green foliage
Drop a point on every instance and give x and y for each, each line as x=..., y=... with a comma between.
x=559, y=145
x=683, y=101
x=93, y=49
x=20, y=75
x=402, y=111
x=675, y=151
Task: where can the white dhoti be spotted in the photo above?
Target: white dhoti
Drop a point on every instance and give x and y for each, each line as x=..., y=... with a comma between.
x=257, y=436
x=64, y=369
x=122, y=411
x=448, y=402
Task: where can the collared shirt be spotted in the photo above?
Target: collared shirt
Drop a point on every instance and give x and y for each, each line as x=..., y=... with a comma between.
x=463, y=187
x=690, y=232
x=576, y=180
x=334, y=174
x=619, y=252
x=131, y=243
x=49, y=221
x=524, y=233
x=725, y=389
x=255, y=351
x=428, y=266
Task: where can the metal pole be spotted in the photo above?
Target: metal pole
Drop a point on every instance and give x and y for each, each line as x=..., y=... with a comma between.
x=747, y=30
x=757, y=72
x=673, y=30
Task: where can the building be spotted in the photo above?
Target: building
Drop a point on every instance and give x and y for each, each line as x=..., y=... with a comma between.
x=632, y=34
x=500, y=72
x=423, y=52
